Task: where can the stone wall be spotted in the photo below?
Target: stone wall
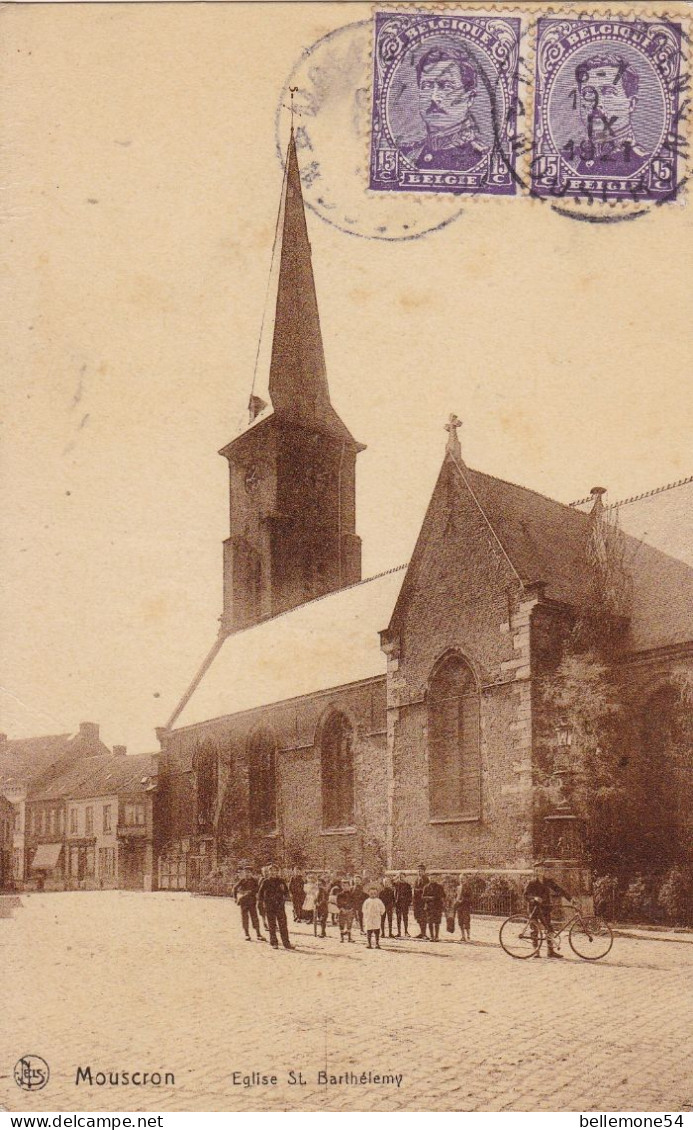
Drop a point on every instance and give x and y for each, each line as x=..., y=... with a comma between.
x=299, y=834
x=463, y=596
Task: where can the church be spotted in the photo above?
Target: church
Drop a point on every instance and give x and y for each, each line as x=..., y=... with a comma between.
x=357, y=724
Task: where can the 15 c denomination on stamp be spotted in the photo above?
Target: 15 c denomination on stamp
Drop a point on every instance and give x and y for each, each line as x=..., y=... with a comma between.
x=444, y=103
x=606, y=110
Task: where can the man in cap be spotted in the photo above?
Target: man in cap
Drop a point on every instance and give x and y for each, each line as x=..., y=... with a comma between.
x=245, y=893
x=272, y=898
x=538, y=893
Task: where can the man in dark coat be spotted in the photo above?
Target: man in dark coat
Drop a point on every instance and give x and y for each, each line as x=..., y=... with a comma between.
x=387, y=898
x=321, y=907
x=272, y=898
x=419, y=907
x=245, y=894
x=434, y=901
x=403, y=897
x=297, y=890
x=538, y=893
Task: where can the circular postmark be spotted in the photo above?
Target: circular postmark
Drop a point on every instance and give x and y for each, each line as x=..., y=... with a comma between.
x=31, y=1073
x=332, y=124
x=607, y=133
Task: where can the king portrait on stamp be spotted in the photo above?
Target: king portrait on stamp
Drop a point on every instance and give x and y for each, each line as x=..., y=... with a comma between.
x=444, y=103
x=607, y=93
x=606, y=109
x=447, y=83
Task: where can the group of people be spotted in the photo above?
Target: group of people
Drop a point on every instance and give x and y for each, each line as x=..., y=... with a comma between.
x=349, y=901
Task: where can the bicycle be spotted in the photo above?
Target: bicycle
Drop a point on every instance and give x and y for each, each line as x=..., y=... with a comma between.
x=589, y=936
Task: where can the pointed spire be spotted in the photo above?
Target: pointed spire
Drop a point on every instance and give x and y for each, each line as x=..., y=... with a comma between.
x=298, y=380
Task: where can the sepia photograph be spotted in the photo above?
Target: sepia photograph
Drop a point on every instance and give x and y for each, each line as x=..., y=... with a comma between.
x=347, y=560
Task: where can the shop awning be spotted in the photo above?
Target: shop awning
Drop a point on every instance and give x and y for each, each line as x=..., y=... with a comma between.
x=46, y=857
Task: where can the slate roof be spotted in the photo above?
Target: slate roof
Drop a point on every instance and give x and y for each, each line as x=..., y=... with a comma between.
x=662, y=518
x=101, y=776
x=23, y=760
x=545, y=540
x=336, y=637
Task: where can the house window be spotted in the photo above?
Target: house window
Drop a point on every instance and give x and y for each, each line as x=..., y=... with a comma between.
x=89, y=821
x=90, y=862
x=453, y=741
x=74, y=826
x=261, y=780
x=107, y=818
x=337, y=768
x=53, y=821
x=134, y=814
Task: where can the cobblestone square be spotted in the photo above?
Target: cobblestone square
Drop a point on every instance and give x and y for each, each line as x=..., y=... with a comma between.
x=131, y=982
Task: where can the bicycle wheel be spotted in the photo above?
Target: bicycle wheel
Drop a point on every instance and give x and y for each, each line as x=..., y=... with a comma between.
x=590, y=938
x=519, y=937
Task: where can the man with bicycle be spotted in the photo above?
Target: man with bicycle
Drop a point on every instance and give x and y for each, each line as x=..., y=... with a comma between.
x=538, y=893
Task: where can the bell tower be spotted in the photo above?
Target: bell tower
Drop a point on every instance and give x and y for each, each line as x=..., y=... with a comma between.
x=292, y=471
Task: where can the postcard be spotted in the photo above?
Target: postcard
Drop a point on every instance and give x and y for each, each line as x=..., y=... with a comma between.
x=347, y=525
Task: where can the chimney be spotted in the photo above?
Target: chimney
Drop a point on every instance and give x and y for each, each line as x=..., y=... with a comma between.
x=119, y=750
x=89, y=731
x=597, y=504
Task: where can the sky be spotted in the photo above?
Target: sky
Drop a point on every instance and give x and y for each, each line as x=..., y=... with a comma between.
x=139, y=150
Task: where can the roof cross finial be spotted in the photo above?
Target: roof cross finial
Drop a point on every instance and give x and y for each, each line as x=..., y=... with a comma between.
x=453, y=446
x=292, y=91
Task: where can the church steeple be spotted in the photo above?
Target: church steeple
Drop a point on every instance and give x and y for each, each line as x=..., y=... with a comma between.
x=292, y=472
x=298, y=379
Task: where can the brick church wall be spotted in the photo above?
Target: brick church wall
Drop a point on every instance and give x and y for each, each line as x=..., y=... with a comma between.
x=297, y=726
x=646, y=677
x=465, y=597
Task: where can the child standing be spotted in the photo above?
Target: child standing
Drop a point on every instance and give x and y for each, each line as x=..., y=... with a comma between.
x=373, y=910
x=346, y=913
x=462, y=909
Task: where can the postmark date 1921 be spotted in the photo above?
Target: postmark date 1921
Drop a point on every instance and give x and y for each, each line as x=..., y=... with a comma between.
x=606, y=110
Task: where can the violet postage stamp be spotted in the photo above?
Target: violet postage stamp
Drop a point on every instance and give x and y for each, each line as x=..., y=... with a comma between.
x=606, y=109
x=445, y=103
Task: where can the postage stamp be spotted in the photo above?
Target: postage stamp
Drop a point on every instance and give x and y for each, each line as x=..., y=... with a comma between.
x=444, y=113
x=606, y=109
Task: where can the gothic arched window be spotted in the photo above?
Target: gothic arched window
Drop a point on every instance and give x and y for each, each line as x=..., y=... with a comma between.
x=206, y=774
x=453, y=741
x=337, y=764
x=262, y=787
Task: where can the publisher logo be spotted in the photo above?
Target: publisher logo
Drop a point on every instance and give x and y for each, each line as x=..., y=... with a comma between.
x=31, y=1073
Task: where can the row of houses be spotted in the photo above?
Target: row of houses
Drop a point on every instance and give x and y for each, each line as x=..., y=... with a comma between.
x=75, y=815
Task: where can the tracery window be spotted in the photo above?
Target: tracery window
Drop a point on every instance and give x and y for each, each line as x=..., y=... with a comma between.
x=453, y=741
x=262, y=786
x=206, y=772
x=337, y=765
